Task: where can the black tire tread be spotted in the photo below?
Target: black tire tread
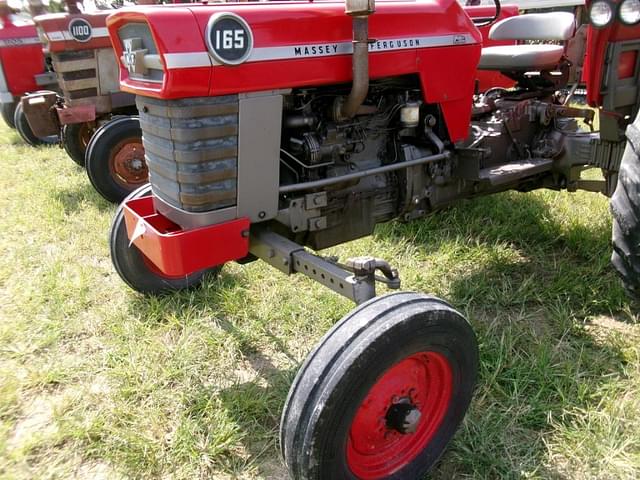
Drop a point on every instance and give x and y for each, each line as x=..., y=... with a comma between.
x=73, y=143
x=8, y=111
x=625, y=207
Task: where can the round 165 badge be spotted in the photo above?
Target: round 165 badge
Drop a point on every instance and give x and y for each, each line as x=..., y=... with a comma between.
x=229, y=38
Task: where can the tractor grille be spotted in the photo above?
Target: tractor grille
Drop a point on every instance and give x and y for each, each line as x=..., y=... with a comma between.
x=191, y=148
x=76, y=73
x=90, y=77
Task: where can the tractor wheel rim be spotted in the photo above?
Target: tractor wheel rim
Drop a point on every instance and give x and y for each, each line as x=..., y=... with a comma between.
x=127, y=164
x=84, y=133
x=399, y=416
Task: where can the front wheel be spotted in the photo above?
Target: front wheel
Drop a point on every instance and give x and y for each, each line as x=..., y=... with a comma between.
x=76, y=138
x=115, y=159
x=135, y=269
x=625, y=206
x=383, y=393
x=24, y=129
x=8, y=111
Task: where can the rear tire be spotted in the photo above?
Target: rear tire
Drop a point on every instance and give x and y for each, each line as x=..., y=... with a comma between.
x=135, y=269
x=625, y=206
x=383, y=393
x=115, y=159
x=8, y=111
x=76, y=138
x=23, y=128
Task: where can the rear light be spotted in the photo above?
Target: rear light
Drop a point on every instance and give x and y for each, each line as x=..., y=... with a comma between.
x=629, y=12
x=601, y=13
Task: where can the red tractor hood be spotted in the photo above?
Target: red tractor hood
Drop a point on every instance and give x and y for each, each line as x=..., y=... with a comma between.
x=297, y=44
x=21, y=58
x=82, y=31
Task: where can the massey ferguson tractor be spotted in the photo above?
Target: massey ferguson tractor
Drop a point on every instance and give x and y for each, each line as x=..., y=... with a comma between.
x=275, y=130
x=98, y=122
x=22, y=69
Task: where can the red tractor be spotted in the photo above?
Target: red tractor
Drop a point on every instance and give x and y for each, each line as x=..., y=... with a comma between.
x=22, y=69
x=273, y=128
x=98, y=122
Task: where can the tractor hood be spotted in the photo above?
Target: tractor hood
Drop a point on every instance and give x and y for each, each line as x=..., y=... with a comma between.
x=65, y=32
x=219, y=49
x=20, y=59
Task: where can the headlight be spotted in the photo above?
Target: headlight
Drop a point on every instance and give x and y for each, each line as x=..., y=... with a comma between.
x=629, y=12
x=601, y=14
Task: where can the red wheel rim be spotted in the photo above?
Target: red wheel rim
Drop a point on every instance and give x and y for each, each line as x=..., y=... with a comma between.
x=422, y=383
x=127, y=164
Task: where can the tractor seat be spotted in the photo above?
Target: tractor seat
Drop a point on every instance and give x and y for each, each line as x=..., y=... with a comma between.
x=521, y=57
x=555, y=26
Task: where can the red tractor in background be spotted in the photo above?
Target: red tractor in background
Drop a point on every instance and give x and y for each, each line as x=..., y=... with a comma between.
x=98, y=122
x=22, y=68
x=271, y=129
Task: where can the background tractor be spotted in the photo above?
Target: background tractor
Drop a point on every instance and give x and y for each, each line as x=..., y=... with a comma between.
x=272, y=131
x=98, y=122
x=22, y=68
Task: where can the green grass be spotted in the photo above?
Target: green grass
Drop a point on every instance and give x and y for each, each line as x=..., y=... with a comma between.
x=97, y=381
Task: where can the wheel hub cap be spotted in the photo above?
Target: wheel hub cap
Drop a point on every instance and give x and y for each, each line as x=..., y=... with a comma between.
x=400, y=416
x=403, y=417
x=129, y=167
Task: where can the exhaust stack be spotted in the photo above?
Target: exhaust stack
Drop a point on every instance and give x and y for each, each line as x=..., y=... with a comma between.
x=72, y=6
x=36, y=7
x=360, y=11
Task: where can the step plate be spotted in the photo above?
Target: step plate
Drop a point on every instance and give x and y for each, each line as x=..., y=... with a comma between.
x=509, y=172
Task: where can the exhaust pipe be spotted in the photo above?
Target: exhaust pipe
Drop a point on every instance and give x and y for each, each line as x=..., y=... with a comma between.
x=36, y=7
x=72, y=6
x=360, y=11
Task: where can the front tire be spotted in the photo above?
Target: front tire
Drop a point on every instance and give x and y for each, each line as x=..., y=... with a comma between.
x=383, y=393
x=76, y=138
x=8, y=111
x=115, y=159
x=23, y=128
x=625, y=206
x=135, y=269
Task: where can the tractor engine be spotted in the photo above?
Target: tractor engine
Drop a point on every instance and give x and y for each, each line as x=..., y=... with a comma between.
x=318, y=145
x=199, y=164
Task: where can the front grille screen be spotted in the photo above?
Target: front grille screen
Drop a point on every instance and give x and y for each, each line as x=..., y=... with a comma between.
x=191, y=148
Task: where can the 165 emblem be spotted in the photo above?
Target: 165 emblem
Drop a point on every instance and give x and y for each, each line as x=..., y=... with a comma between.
x=229, y=38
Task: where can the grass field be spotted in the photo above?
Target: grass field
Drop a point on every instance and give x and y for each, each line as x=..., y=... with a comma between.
x=98, y=382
